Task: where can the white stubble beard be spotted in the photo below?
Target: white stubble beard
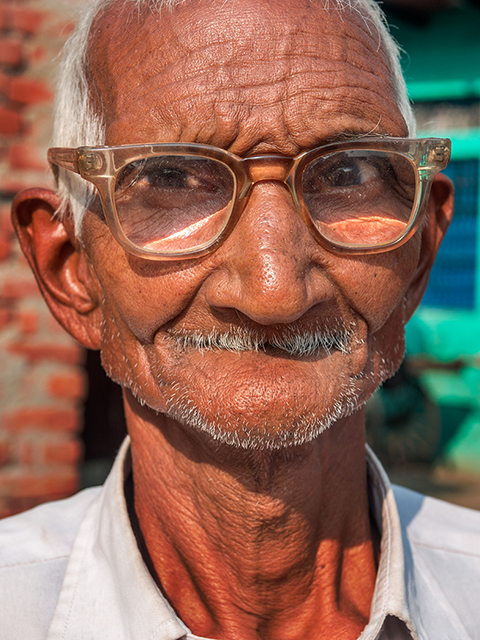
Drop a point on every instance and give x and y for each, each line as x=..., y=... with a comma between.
x=301, y=425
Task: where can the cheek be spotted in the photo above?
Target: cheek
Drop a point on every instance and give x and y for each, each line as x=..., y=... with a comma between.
x=139, y=301
x=139, y=296
x=132, y=315
x=127, y=346
x=377, y=287
x=377, y=284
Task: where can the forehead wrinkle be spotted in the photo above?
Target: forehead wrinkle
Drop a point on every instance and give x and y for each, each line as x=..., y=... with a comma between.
x=240, y=125
x=223, y=85
x=359, y=37
x=226, y=25
x=199, y=49
x=227, y=64
x=283, y=96
x=233, y=85
x=202, y=29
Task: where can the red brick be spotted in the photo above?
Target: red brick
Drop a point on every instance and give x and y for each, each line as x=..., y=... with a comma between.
x=5, y=317
x=29, y=91
x=6, y=227
x=4, y=83
x=38, y=54
x=62, y=452
x=40, y=352
x=5, y=219
x=10, y=52
x=16, y=288
x=6, y=237
x=26, y=453
x=36, y=485
x=10, y=121
x=28, y=321
x=3, y=17
x=4, y=453
x=40, y=443
x=24, y=156
x=10, y=187
x=69, y=387
x=6, y=240
x=10, y=508
x=22, y=19
x=5, y=248
x=53, y=326
x=43, y=418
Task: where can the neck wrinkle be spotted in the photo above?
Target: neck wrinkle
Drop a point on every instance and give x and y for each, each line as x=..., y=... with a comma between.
x=276, y=547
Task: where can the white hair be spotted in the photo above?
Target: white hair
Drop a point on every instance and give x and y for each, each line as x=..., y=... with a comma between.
x=77, y=124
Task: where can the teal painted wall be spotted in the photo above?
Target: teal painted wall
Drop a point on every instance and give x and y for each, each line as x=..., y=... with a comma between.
x=442, y=62
x=442, y=58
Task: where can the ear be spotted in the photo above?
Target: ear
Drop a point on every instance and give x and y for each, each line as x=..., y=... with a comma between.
x=437, y=220
x=61, y=268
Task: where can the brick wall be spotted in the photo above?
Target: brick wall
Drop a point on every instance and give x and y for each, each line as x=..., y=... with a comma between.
x=42, y=381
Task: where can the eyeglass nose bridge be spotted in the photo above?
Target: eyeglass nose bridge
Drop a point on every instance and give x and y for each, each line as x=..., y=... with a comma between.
x=268, y=168
x=271, y=168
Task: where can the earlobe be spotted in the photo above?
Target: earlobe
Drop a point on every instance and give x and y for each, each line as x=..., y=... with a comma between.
x=437, y=220
x=59, y=264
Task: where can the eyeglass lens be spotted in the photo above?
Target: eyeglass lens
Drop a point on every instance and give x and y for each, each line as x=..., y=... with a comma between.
x=173, y=203
x=360, y=197
x=176, y=203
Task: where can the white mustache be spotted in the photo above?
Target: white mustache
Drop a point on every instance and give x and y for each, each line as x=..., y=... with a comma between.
x=293, y=341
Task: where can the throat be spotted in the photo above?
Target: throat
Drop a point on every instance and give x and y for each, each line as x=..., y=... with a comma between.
x=255, y=545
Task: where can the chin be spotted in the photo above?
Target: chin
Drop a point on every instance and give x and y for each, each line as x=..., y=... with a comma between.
x=271, y=427
x=264, y=403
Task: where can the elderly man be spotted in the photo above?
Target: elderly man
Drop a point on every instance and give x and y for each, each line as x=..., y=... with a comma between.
x=245, y=251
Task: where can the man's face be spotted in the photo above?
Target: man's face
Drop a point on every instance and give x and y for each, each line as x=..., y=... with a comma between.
x=251, y=77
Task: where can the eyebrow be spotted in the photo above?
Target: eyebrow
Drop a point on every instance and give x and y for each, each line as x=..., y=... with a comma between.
x=345, y=136
x=321, y=141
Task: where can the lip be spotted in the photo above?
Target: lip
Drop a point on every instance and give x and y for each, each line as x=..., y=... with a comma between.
x=264, y=354
x=311, y=341
x=257, y=362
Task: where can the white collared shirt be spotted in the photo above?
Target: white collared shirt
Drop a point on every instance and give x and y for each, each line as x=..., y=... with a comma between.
x=71, y=570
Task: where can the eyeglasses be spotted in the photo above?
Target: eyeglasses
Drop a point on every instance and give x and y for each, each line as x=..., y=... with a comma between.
x=172, y=201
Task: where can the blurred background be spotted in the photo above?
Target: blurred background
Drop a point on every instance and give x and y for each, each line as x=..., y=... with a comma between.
x=61, y=420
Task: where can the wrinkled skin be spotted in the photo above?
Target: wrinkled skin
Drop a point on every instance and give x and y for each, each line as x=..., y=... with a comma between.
x=247, y=542
x=216, y=95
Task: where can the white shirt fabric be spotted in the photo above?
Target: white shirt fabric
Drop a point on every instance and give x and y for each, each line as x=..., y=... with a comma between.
x=71, y=570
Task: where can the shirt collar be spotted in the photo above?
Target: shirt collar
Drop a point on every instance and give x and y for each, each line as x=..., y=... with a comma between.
x=389, y=598
x=108, y=592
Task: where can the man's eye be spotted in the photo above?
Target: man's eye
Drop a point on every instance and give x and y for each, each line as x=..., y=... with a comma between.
x=171, y=178
x=350, y=174
x=170, y=174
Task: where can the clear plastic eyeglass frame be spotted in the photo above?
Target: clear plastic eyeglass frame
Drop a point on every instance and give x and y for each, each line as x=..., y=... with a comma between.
x=101, y=165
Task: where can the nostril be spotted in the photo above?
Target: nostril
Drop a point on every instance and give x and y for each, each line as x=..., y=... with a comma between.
x=267, y=269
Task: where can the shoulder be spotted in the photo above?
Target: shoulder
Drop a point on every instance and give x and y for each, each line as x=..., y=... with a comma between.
x=43, y=533
x=442, y=563
x=34, y=551
x=437, y=524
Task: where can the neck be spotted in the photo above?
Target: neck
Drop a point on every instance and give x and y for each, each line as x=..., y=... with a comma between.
x=249, y=545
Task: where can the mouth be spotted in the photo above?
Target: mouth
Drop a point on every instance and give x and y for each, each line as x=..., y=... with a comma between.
x=289, y=341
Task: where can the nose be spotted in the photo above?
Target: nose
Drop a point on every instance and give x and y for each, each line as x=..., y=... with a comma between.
x=270, y=267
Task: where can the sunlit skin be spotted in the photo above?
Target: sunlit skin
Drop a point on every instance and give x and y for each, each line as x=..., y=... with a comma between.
x=246, y=543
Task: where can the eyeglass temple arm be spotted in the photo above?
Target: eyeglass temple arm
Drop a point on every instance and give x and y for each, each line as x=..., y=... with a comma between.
x=62, y=157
